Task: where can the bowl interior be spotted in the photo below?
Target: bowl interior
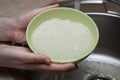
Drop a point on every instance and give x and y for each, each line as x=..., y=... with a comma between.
x=64, y=14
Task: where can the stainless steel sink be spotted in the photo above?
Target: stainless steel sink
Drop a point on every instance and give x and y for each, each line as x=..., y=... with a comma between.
x=109, y=29
x=104, y=62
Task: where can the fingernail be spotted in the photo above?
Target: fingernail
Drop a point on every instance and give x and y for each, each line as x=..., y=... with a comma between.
x=75, y=66
x=55, y=5
x=48, y=61
x=71, y=65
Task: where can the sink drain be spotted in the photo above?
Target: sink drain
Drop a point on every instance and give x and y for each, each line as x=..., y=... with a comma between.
x=98, y=77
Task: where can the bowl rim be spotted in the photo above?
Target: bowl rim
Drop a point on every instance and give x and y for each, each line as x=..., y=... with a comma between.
x=92, y=21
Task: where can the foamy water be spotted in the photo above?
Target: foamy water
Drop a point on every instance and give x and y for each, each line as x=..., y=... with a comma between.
x=62, y=40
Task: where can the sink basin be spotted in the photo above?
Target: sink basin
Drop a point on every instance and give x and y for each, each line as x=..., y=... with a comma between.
x=104, y=62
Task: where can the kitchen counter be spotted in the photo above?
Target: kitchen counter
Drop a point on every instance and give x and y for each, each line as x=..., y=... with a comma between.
x=15, y=8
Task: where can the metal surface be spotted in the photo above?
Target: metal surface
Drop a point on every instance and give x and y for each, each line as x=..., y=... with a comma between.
x=92, y=1
x=116, y=2
x=104, y=62
x=102, y=5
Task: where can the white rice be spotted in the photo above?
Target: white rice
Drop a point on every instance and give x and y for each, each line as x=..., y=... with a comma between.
x=62, y=40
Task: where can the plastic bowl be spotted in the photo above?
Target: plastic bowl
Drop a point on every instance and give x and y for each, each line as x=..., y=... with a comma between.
x=63, y=13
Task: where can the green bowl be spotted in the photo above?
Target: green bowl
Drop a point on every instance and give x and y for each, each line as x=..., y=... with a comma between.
x=63, y=13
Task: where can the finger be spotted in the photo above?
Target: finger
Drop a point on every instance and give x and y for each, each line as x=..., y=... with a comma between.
x=27, y=17
x=37, y=59
x=34, y=58
x=25, y=56
x=60, y=67
x=52, y=67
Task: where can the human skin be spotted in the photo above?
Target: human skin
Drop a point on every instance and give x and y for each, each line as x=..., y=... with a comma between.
x=13, y=29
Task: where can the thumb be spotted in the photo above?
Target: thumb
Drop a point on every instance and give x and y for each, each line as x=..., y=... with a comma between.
x=24, y=20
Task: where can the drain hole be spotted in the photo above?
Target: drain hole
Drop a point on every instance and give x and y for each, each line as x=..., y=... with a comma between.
x=98, y=78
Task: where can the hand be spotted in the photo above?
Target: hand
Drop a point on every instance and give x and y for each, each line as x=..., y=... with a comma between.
x=23, y=58
x=14, y=29
x=20, y=57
